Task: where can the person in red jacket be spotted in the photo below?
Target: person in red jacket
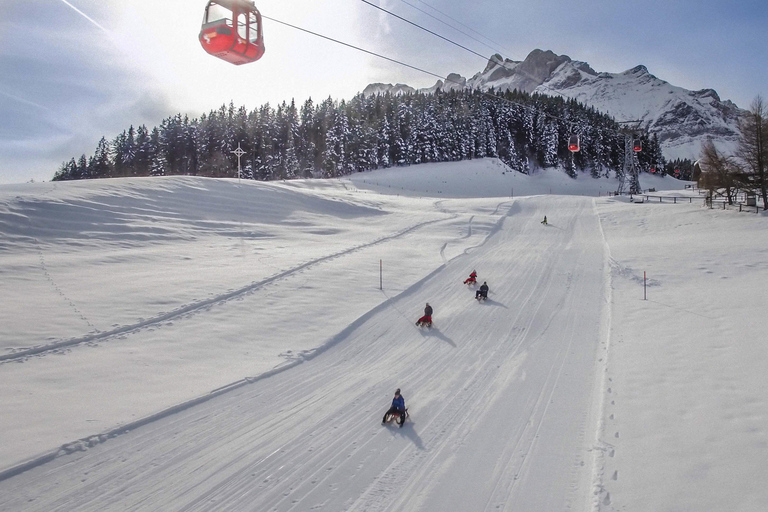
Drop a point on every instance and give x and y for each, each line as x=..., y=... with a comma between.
x=472, y=279
x=427, y=318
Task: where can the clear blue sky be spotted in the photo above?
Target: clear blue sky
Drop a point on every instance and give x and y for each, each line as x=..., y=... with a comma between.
x=74, y=70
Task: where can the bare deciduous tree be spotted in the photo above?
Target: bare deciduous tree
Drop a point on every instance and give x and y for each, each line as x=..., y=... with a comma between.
x=753, y=149
x=718, y=172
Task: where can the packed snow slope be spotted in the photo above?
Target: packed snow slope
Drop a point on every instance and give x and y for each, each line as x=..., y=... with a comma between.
x=198, y=344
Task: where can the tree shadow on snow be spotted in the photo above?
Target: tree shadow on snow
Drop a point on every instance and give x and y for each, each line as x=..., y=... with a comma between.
x=435, y=332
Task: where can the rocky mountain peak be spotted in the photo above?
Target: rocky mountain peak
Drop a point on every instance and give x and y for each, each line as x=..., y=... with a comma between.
x=495, y=60
x=638, y=70
x=539, y=65
x=682, y=119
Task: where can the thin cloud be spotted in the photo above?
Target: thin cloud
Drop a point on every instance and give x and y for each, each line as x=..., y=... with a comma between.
x=81, y=13
x=25, y=102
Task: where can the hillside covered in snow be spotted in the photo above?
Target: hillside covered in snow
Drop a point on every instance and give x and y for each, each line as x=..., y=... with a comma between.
x=187, y=343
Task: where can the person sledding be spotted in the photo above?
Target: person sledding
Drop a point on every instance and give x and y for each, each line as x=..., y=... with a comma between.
x=544, y=221
x=397, y=409
x=472, y=279
x=427, y=318
x=482, y=293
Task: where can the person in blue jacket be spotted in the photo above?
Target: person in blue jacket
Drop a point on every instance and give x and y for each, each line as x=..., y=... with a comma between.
x=398, y=407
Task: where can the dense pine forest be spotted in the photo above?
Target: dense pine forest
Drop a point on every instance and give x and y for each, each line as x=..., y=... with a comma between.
x=335, y=138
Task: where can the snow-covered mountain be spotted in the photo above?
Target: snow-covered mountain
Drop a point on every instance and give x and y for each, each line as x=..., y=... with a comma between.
x=683, y=119
x=378, y=88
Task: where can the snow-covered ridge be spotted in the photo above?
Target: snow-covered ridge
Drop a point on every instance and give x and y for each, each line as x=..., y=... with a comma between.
x=379, y=88
x=682, y=119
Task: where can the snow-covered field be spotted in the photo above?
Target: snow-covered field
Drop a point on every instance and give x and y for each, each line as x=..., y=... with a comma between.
x=196, y=344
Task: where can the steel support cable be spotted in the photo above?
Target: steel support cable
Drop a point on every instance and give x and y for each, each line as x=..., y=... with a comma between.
x=425, y=29
x=348, y=45
x=354, y=47
x=500, y=63
x=451, y=26
x=493, y=96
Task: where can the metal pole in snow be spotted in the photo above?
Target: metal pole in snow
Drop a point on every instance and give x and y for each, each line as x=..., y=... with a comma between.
x=645, y=294
x=238, y=153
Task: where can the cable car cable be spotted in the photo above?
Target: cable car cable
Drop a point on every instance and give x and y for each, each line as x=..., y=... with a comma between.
x=496, y=49
x=498, y=45
x=446, y=79
x=416, y=68
x=571, y=146
x=354, y=47
x=449, y=25
x=425, y=29
x=618, y=132
x=500, y=63
x=496, y=97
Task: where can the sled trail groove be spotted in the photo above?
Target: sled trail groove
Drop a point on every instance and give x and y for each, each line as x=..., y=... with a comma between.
x=202, y=304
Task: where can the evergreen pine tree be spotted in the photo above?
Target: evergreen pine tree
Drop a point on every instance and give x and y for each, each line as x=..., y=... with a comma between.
x=67, y=171
x=548, y=148
x=82, y=172
x=143, y=153
x=119, y=150
x=100, y=166
x=157, y=164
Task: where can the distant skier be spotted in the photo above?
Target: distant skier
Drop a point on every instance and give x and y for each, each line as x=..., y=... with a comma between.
x=472, y=279
x=398, y=407
x=482, y=292
x=427, y=318
x=544, y=221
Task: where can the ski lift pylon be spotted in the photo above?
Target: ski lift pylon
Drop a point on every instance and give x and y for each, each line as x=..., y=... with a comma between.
x=232, y=31
x=573, y=143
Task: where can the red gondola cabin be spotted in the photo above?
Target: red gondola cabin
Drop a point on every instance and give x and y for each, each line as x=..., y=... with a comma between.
x=573, y=143
x=637, y=145
x=232, y=31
